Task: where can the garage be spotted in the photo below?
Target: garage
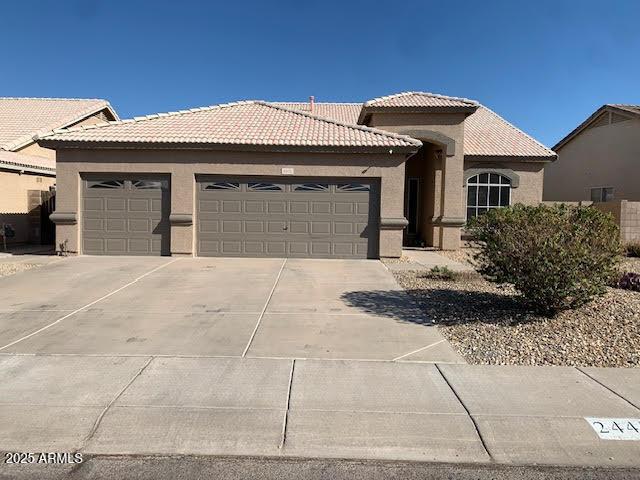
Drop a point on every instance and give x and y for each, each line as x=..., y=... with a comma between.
x=125, y=215
x=287, y=217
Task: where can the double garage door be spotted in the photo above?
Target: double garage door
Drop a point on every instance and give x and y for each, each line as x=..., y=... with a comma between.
x=276, y=217
x=235, y=217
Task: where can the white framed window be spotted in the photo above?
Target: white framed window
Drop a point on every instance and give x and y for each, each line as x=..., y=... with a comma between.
x=601, y=194
x=486, y=191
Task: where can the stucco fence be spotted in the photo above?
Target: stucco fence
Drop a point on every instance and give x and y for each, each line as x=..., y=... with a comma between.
x=626, y=214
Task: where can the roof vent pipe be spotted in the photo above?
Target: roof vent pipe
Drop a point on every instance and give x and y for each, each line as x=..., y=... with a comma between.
x=311, y=102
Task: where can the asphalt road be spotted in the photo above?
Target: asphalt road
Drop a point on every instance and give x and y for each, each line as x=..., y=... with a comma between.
x=242, y=468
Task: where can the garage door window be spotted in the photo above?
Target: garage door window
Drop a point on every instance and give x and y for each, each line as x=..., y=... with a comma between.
x=264, y=187
x=353, y=187
x=105, y=184
x=146, y=184
x=222, y=186
x=311, y=187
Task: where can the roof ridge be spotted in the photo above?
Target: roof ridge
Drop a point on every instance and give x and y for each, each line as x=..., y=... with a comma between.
x=317, y=103
x=152, y=116
x=428, y=94
x=376, y=131
x=512, y=126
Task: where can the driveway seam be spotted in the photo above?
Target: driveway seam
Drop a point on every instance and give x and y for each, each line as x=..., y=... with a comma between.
x=87, y=305
x=473, y=420
x=98, y=421
x=607, y=388
x=286, y=412
x=264, y=309
x=419, y=350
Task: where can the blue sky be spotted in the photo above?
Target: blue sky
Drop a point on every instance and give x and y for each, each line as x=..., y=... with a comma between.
x=543, y=65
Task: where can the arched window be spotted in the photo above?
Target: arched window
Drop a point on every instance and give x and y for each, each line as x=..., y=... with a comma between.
x=485, y=191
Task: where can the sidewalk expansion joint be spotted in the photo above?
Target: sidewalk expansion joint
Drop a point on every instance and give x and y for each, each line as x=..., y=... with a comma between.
x=264, y=309
x=98, y=421
x=607, y=388
x=286, y=412
x=473, y=420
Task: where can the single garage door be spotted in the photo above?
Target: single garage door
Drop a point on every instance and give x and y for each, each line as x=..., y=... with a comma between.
x=276, y=217
x=125, y=216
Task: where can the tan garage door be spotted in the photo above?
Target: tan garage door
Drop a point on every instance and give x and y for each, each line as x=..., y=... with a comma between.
x=125, y=216
x=276, y=217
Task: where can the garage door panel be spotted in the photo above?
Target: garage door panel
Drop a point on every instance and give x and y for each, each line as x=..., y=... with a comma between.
x=128, y=217
x=231, y=226
x=276, y=206
x=320, y=208
x=253, y=226
x=208, y=206
x=276, y=248
x=297, y=227
x=232, y=206
x=299, y=207
x=115, y=204
x=254, y=207
x=209, y=226
x=258, y=217
x=117, y=225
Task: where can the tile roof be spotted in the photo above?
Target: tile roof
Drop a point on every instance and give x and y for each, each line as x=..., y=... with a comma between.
x=248, y=123
x=23, y=118
x=488, y=134
x=419, y=99
x=340, y=112
x=19, y=161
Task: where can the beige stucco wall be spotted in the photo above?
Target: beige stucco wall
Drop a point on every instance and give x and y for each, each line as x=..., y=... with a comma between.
x=14, y=201
x=445, y=175
x=604, y=156
x=14, y=186
x=183, y=165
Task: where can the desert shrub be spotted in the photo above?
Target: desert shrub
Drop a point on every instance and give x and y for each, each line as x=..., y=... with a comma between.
x=557, y=257
x=632, y=249
x=440, y=273
x=629, y=281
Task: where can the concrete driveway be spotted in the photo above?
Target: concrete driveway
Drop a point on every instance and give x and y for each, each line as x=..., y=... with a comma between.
x=349, y=309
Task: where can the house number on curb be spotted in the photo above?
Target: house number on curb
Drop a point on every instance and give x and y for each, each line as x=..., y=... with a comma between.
x=616, y=428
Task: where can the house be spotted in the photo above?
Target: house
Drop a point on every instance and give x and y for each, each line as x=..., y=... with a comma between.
x=256, y=178
x=27, y=170
x=598, y=160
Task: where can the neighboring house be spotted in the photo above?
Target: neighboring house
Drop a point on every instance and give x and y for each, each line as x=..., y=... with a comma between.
x=27, y=169
x=254, y=178
x=599, y=160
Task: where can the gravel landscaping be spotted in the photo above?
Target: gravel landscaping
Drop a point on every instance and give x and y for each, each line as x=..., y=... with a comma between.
x=9, y=268
x=487, y=325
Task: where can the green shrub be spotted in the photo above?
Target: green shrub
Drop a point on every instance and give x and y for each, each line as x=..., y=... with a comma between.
x=632, y=249
x=440, y=273
x=557, y=257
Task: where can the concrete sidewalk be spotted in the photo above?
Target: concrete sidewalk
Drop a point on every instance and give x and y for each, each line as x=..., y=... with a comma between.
x=141, y=405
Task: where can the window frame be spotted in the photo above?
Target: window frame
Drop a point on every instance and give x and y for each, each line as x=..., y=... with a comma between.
x=602, y=196
x=488, y=184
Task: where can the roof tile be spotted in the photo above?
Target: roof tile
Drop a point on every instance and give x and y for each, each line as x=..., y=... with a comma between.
x=23, y=118
x=419, y=99
x=240, y=123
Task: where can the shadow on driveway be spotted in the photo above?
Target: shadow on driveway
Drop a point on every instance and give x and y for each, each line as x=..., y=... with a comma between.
x=442, y=306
